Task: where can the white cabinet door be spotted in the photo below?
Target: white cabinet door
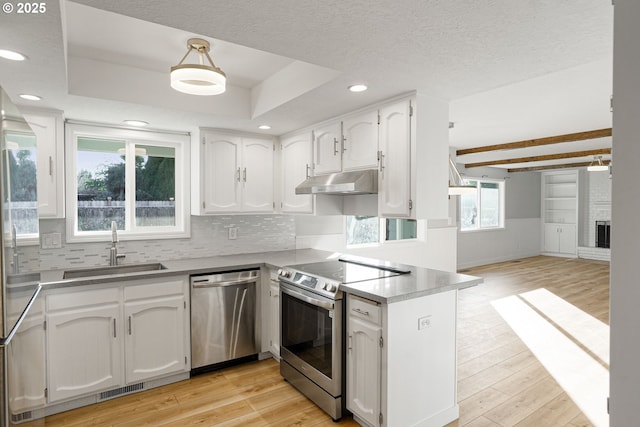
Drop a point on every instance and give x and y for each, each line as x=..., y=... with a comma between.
x=363, y=369
x=221, y=173
x=154, y=338
x=84, y=351
x=551, y=242
x=257, y=175
x=567, y=239
x=48, y=130
x=327, y=149
x=296, y=162
x=26, y=362
x=394, y=177
x=360, y=142
x=274, y=319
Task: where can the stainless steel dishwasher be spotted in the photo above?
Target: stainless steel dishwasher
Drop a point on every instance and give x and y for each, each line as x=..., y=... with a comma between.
x=223, y=318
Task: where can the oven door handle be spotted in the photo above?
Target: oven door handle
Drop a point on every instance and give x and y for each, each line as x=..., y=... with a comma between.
x=306, y=298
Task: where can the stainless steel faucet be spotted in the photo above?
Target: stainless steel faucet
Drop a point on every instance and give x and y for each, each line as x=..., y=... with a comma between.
x=15, y=262
x=113, y=252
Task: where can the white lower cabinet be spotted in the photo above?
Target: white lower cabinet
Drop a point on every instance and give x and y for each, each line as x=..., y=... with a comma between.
x=84, y=345
x=363, y=359
x=103, y=339
x=401, y=361
x=560, y=238
x=155, y=339
x=274, y=318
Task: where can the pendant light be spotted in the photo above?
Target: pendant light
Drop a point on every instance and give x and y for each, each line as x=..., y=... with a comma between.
x=200, y=78
x=597, y=165
x=457, y=185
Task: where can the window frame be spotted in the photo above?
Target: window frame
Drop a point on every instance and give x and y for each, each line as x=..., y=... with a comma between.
x=502, y=195
x=382, y=233
x=180, y=142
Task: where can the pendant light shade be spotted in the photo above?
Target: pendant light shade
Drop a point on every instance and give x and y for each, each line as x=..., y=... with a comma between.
x=597, y=165
x=457, y=185
x=200, y=78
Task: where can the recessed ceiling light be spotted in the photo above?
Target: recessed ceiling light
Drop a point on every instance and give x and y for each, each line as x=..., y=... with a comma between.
x=14, y=56
x=136, y=122
x=264, y=127
x=30, y=97
x=358, y=88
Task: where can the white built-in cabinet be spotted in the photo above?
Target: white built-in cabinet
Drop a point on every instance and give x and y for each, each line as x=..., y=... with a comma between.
x=26, y=355
x=102, y=339
x=274, y=318
x=560, y=212
x=364, y=333
x=296, y=165
x=360, y=141
x=237, y=173
x=327, y=148
x=401, y=360
x=48, y=128
x=156, y=325
x=394, y=177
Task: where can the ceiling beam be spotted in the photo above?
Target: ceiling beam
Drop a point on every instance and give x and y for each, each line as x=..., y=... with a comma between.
x=540, y=158
x=570, y=137
x=561, y=166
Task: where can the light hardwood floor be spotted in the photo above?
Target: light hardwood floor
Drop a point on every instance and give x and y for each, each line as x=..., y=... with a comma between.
x=500, y=382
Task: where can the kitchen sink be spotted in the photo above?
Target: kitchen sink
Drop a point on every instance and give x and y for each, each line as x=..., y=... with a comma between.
x=14, y=279
x=116, y=269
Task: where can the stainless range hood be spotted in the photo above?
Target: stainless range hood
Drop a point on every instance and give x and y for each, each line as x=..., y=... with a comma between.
x=355, y=182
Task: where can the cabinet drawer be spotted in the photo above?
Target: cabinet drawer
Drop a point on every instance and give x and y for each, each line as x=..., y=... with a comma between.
x=364, y=309
x=82, y=299
x=159, y=289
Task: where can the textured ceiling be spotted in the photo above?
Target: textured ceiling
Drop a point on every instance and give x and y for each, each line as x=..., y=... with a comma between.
x=503, y=64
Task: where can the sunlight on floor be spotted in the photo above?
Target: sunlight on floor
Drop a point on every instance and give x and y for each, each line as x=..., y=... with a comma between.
x=583, y=377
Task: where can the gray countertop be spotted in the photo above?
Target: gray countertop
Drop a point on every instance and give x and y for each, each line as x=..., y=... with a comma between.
x=419, y=282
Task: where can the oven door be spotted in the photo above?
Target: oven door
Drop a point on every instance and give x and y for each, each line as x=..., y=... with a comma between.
x=311, y=336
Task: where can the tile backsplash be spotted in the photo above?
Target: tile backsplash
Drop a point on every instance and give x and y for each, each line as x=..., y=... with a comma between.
x=209, y=237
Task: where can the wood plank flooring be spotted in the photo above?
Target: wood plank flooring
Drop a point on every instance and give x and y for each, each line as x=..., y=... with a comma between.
x=500, y=382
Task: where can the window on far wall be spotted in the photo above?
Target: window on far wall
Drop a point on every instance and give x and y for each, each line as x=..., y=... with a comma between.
x=133, y=178
x=485, y=209
x=363, y=230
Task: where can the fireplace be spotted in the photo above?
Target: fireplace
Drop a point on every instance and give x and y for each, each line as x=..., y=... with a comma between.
x=603, y=234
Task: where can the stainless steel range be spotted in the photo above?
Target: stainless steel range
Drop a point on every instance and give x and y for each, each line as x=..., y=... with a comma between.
x=312, y=326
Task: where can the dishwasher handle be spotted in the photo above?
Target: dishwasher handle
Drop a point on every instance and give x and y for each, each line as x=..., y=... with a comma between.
x=205, y=283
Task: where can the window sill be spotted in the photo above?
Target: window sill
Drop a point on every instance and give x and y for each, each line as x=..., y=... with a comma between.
x=124, y=237
x=482, y=230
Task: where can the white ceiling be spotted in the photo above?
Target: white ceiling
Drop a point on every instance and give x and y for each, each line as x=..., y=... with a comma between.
x=512, y=69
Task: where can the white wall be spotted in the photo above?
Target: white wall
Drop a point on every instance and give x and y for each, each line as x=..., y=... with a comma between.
x=521, y=236
x=625, y=238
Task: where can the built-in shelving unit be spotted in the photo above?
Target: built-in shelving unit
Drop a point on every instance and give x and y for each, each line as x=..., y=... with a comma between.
x=560, y=212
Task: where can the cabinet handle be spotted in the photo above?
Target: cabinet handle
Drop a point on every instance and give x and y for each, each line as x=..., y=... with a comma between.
x=344, y=146
x=50, y=166
x=381, y=160
x=114, y=327
x=357, y=310
x=244, y=175
x=335, y=146
x=349, y=345
x=238, y=175
x=129, y=325
x=308, y=173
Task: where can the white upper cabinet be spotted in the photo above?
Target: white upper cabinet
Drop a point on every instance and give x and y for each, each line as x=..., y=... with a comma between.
x=296, y=163
x=48, y=128
x=360, y=141
x=394, y=178
x=257, y=175
x=327, y=148
x=237, y=173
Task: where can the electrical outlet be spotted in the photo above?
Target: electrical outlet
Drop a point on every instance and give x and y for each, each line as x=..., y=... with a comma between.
x=51, y=241
x=233, y=233
x=424, y=322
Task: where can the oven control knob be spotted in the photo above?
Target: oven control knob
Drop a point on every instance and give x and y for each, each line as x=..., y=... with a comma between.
x=284, y=273
x=331, y=287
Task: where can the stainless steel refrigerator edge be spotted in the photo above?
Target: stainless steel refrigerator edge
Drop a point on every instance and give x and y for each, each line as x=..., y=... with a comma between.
x=224, y=321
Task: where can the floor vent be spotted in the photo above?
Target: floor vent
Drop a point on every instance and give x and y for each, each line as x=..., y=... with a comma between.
x=105, y=395
x=23, y=416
